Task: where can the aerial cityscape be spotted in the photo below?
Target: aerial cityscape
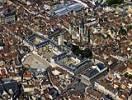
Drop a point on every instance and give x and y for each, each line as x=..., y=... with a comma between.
x=65, y=49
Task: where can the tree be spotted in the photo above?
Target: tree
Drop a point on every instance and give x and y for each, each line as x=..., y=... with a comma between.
x=129, y=27
x=111, y=2
x=87, y=53
x=75, y=49
x=123, y=31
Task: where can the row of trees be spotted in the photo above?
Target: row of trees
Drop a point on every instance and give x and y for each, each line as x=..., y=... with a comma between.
x=111, y=2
